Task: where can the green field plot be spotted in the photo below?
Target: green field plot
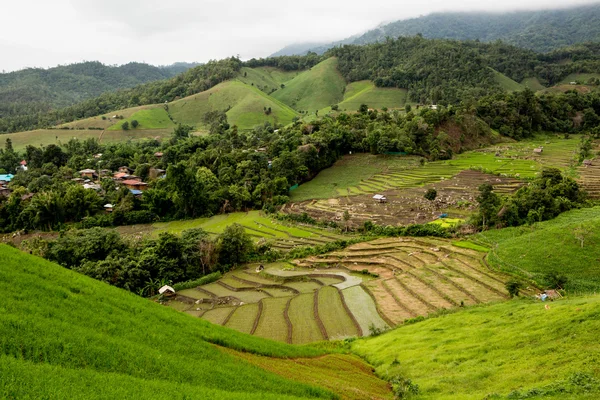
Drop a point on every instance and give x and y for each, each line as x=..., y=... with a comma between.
x=363, y=308
x=349, y=172
x=338, y=323
x=243, y=318
x=245, y=106
x=107, y=120
x=272, y=323
x=569, y=245
x=45, y=137
x=153, y=118
x=312, y=90
x=304, y=287
x=580, y=78
x=304, y=326
x=473, y=353
x=194, y=294
x=365, y=92
x=256, y=225
x=218, y=315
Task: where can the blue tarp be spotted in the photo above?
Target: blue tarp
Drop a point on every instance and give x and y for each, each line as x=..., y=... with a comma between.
x=135, y=192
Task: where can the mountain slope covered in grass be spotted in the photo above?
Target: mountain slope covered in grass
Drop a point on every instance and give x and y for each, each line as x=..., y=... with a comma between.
x=524, y=250
x=514, y=350
x=245, y=105
x=319, y=87
x=63, y=335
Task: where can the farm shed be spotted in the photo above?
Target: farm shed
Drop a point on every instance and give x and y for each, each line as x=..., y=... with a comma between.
x=381, y=198
x=587, y=163
x=166, y=290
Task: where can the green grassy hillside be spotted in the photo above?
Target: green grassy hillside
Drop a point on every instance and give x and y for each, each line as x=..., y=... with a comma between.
x=579, y=78
x=315, y=89
x=365, y=92
x=514, y=350
x=154, y=118
x=506, y=83
x=525, y=250
x=267, y=79
x=245, y=105
x=63, y=335
x=533, y=84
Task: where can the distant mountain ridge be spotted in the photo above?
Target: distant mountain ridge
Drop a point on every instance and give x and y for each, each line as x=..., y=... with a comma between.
x=39, y=89
x=541, y=31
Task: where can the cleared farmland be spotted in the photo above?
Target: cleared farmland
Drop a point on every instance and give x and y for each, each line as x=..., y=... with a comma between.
x=329, y=297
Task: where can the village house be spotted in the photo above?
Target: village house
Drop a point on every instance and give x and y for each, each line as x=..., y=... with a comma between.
x=158, y=154
x=155, y=173
x=22, y=165
x=108, y=208
x=88, y=173
x=4, y=191
x=135, y=185
x=126, y=170
x=5, y=178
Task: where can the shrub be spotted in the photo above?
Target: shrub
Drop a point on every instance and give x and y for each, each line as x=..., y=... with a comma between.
x=430, y=194
x=513, y=287
x=205, y=280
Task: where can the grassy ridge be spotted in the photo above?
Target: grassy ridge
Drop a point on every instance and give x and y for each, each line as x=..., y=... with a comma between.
x=524, y=250
x=244, y=104
x=53, y=319
x=312, y=90
x=517, y=347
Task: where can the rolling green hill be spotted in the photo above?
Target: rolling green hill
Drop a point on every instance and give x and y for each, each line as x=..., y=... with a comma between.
x=245, y=106
x=533, y=84
x=63, y=335
x=514, y=350
x=315, y=89
x=267, y=79
x=524, y=250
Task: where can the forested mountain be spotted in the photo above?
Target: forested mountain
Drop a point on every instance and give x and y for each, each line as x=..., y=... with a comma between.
x=541, y=31
x=39, y=90
x=431, y=71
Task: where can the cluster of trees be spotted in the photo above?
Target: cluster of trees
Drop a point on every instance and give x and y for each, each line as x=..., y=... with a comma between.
x=540, y=200
x=143, y=266
x=230, y=171
x=449, y=71
x=287, y=63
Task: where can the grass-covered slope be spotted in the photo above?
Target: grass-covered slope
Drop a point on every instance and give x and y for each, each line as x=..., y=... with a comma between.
x=153, y=118
x=365, y=92
x=267, y=79
x=551, y=246
x=245, y=106
x=312, y=90
x=506, y=83
x=516, y=350
x=63, y=335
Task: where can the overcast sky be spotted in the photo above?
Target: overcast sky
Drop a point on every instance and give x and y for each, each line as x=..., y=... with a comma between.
x=43, y=33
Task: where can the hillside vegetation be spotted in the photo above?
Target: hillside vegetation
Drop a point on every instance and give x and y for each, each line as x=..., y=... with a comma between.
x=514, y=350
x=542, y=30
x=524, y=250
x=319, y=87
x=63, y=335
x=246, y=106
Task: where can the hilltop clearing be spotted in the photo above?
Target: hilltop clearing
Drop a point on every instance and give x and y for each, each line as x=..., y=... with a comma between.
x=65, y=335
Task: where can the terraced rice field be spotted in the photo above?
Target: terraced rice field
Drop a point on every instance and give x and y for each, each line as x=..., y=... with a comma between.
x=456, y=197
x=289, y=305
x=589, y=176
x=327, y=297
x=416, y=276
x=283, y=236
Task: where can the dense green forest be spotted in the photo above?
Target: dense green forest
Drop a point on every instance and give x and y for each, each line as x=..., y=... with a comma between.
x=34, y=90
x=433, y=71
x=541, y=31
